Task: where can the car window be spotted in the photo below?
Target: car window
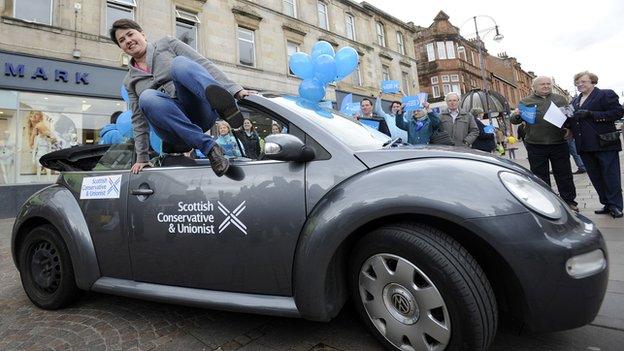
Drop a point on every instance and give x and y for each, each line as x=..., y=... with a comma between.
x=117, y=157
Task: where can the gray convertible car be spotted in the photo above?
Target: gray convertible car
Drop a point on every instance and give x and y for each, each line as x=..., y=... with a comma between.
x=433, y=245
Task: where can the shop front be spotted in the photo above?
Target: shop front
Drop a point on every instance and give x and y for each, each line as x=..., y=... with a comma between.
x=46, y=105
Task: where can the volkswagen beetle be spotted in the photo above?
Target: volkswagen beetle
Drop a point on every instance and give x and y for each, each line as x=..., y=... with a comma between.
x=433, y=245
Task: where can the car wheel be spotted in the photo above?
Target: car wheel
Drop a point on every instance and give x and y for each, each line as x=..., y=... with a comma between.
x=418, y=289
x=46, y=269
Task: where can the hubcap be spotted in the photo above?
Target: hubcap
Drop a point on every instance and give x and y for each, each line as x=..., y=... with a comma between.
x=45, y=266
x=404, y=304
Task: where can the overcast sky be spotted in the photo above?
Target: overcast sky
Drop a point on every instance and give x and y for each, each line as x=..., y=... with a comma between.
x=550, y=38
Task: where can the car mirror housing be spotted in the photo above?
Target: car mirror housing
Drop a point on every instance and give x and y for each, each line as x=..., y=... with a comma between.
x=286, y=147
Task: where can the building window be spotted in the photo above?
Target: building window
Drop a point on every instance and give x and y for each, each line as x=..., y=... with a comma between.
x=290, y=7
x=446, y=88
x=356, y=77
x=430, y=52
x=322, y=15
x=406, y=80
x=474, y=61
x=435, y=89
x=381, y=34
x=118, y=9
x=461, y=53
x=454, y=78
x=39, y=11
x=291, y=48
x=434, y=80
x=450, y=50
x=445, y=78
x=385, y=72
x=400, y=43
x=246, y=47
x=441, y=50
x=456, y=88
x=350, y=25
x=186, y=27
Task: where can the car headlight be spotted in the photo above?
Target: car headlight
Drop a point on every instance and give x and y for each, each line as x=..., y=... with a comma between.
x=532, y=195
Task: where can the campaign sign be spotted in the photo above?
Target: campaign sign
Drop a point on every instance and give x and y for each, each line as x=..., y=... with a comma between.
x=105, y=187
x=411, y=103
x=370, y=122
x=423, y=97
x=326, y=104
x=527, y=113
x=390, y=86
x=351, y=109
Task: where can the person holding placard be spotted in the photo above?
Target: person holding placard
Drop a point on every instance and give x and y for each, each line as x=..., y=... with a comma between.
x=598, y=141
x=371, y=119
x=545, y=142
x=419, y=124
x=395, y=107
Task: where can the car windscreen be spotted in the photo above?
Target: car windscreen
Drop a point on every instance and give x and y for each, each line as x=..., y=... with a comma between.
x=354, y=134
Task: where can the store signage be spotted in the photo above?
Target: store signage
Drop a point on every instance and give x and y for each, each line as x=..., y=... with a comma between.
x=20, y=70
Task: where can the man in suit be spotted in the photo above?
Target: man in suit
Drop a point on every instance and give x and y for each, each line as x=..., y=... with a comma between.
x=179, y=92
x=596, y=111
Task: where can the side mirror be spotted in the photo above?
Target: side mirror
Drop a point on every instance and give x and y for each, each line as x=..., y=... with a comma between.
x=286, y=147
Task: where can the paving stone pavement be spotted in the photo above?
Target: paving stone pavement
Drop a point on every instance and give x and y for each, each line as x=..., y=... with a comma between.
x=101, y=322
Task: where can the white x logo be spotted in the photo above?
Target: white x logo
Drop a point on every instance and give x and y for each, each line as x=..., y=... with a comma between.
x=232, y=217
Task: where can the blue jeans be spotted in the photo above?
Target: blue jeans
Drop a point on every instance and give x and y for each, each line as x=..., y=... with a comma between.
x=575, y=155
x=184, y=119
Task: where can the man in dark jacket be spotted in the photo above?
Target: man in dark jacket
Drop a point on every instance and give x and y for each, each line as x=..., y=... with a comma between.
x=368, y=115
x=596, y=110
x=545, y=142
x=460, y=125
x=485, y=141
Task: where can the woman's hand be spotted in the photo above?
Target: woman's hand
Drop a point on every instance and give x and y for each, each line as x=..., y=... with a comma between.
x=137, y=167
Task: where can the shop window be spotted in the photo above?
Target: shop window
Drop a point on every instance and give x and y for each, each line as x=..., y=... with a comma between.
x=32, y=125
x=118, y=9
x=246, y=47
x=186, y=27
x=38, y=11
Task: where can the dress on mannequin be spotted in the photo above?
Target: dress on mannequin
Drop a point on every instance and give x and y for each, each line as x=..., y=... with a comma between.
x=6, y=160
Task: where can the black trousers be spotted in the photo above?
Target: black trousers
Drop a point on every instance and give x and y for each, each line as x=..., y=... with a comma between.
x=559, y=157
x=603, y=168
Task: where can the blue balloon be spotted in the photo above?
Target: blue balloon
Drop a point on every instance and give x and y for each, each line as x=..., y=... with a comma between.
x=124, y=94
x=155, y=141
x=325, y=69
x=322, y=48
x=312, y=90
x=301, y=65
x=124, y=124
x=346, y=62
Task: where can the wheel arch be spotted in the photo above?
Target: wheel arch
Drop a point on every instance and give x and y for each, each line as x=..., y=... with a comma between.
x=55, y=205
x=505, y=283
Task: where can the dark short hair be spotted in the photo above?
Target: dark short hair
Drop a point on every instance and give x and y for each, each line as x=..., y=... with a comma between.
x=366, y=99
x=396, y=102
x=114, y=116
x=124, y=23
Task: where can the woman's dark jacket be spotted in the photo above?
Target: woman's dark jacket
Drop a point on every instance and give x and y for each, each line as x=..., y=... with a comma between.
x=251, y=143
x=485, y=141
x=597, y=115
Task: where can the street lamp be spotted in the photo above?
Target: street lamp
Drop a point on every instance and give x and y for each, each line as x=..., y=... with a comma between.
x=497, y=37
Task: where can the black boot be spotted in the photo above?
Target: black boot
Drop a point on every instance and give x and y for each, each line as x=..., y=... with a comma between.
x=224, y=103
x=616, y=212
x=218, y=161
x=604, y=210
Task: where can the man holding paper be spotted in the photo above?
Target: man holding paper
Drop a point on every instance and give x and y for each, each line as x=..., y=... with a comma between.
x=545, y=139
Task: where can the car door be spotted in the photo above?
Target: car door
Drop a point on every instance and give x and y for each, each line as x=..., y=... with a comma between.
x=233, y=233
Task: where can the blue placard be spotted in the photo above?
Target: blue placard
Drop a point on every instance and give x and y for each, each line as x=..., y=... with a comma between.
x=326, y=104
x=527, y=113
x=423, y=97
x=411, y=103
x=352, y=109
x=390, y=86
x=370, y=122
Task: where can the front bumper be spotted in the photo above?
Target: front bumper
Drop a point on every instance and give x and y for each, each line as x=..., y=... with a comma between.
x=537, y=250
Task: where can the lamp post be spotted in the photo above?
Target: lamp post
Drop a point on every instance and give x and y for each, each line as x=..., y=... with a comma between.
x=497, y=37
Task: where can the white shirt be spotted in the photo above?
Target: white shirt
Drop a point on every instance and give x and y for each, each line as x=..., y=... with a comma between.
x=454, y=114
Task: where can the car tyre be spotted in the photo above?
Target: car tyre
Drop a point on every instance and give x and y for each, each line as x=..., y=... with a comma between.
x=46, y=269
x=416, y=288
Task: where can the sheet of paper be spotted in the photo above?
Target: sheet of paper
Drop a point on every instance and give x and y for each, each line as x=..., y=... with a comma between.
x=554, y=115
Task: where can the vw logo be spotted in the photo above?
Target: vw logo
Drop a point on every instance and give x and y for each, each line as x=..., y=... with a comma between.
x=401, y=304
